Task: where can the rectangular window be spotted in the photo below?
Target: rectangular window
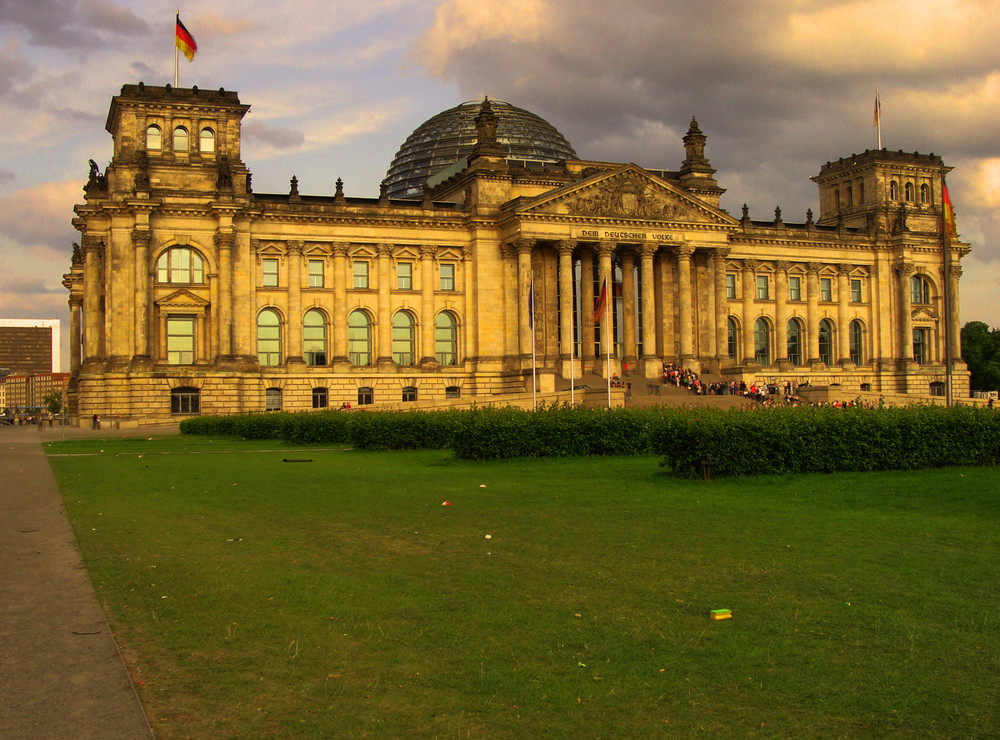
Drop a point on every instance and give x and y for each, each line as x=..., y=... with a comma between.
x=315, y=273
x=270, y=273
x=762, y=292
x=730, y=285
x=404, y=276
x=320, y=398
x=180, y=340
x=855, y=290
x=272, y=399
x=826, y=289
x=447, y=276
x=794, y=288
x=360, y=275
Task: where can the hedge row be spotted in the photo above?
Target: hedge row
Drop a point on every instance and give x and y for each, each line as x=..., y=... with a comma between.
x=704, y=443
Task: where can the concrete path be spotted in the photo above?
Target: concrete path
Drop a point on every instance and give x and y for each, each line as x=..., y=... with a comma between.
x=61, y=675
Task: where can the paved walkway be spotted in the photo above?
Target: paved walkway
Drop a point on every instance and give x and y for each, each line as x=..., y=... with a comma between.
x=61, y=675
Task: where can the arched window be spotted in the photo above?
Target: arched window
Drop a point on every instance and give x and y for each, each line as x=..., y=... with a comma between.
x=409, y=394
x=314, y=337
x=894, y=190
x=920, y=289
x=856, y=337
x=733, y=338
x=925, y=194
x=453, y=391
x=269, y=338
x=185, y=400
x=180, y=265
x=359, y=338
x=402, y=338
x=794, y=347
x=365, y=396
x=446, y=339
x=826, y=342
x=762, y=341
x=206, y=144
x=909, y=191
x=272, y=399
x=153, y=138
x=321, y=398
x=181, y=139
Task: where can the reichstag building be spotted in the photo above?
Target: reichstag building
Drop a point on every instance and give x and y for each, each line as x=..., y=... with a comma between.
x=482, y=257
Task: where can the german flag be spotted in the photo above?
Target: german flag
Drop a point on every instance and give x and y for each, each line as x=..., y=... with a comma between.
x=950, y=228
x=601, y=302
x=185, y=41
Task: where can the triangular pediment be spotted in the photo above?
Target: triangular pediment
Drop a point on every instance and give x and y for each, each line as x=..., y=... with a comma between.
x=924, y=314
x=182, y=299
x=625, y=193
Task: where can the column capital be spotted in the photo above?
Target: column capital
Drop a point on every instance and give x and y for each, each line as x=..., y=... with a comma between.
x=813, y=268
x=566, y=245
x=225, y=239
x=749, y=265
x=141, y=238
x=295, y=246
x=905, y=269
x=683, y=250
x=75, y=301
x=782, y=265
x=340, y=249
x=648, y=249
x=954, y=271
x=383, y=249
x=606, y=248
x=91, y=243
x=523, y=245
x=844, y=270
x=427, y=251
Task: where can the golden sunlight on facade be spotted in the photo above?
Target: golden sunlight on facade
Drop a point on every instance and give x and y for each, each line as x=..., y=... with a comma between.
x=190, y=293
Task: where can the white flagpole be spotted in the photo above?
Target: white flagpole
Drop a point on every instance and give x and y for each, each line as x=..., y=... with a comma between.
x=610, y=331
x=531, y=316
x=572, y=371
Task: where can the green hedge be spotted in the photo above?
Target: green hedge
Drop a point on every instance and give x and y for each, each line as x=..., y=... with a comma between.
x=703, y=443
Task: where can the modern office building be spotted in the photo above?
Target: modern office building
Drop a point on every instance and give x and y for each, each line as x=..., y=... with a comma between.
x=29, y=345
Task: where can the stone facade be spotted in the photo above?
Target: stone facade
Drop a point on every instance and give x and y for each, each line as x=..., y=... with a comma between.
x=190, y=293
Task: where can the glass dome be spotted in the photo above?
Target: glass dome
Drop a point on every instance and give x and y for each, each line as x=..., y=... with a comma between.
x=448, y=137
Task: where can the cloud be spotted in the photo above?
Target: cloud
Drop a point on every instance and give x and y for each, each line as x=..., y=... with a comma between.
x=40, y=217
x=63, y=24
x=28, y=286
x=273, y=137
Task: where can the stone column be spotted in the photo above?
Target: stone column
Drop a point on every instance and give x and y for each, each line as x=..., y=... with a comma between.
x=721, y=304
x=651, y=364
x=524, y=247
x=706, y=319
x=749, y=291
x=684, y=312
x=428, y=358
x=75, y=306
x=954, y=330
x=140, y=245
x=604, y=252
x=587, y=302
x=92, y=248
x=295, y=303
x=567, y=354
x=781, y=314
x=383, y=329
x=844, y=316
x=812, y=311
x=340, y=278
x=628, y=307
x=905, y=270
x=224, y=241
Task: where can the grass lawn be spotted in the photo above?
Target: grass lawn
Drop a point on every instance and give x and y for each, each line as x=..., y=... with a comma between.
x=340, y=598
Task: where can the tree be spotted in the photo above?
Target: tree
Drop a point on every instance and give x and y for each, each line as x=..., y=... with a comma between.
x=981, y=352
x=53, y=401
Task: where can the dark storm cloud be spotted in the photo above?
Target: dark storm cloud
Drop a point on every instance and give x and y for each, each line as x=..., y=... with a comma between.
x=74, y=24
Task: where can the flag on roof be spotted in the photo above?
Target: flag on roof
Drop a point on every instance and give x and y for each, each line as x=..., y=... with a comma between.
x=185, y=41
x=950, y=227
x=878, y=111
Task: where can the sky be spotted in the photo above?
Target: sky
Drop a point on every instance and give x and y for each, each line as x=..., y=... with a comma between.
x=336, y=86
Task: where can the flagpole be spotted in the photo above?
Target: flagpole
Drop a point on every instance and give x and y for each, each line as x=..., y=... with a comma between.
x=945, y=259
x=610, y=332
x=531, y=323
x=878, y=118
x=176, y=49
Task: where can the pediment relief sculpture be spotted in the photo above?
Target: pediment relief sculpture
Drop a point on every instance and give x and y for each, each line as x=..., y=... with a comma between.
x=629, y=197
